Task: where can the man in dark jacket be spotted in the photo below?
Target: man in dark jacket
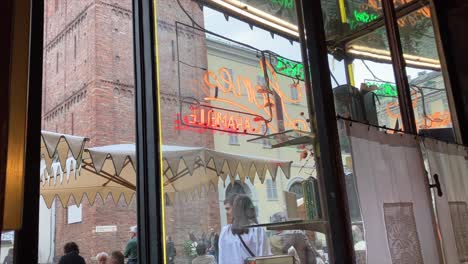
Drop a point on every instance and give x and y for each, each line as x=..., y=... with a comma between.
x=170, y=251
x=72, y=254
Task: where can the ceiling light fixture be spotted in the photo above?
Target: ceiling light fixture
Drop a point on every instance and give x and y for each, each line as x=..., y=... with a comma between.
x=384, y=55
x=257, y=15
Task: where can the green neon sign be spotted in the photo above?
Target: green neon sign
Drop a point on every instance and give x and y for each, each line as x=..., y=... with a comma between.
x=289, y=4
x=289, y=68
x=361, y=18
x=385, y=89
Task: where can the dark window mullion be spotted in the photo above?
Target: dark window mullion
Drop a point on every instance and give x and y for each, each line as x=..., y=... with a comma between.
x=323, y=124
x=27, y=238
x=150, y=219
x=399, y=67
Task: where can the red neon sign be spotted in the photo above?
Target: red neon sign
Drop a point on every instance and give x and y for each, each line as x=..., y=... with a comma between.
x=253, y=101
x=216, y=118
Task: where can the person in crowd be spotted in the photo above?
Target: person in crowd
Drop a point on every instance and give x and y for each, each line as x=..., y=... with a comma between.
x=238, y=242
x=205, y=240
x=117, y=257
x=9, y=258
x=214, y=238
x=192, y=237
x=131, y=251
x=292, y=242
x=170, y=251
x=101, y=258
x=203, y=258
x=190, y=247
x=228, y=203
x=72, y=254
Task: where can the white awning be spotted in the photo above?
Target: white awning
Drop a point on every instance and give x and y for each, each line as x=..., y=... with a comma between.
x=57, y=147
x=110, y=170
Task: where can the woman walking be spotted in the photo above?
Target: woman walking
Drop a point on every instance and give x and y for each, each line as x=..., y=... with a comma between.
x=237, y=241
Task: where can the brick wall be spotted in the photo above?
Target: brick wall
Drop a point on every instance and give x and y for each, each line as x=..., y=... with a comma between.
x=89, y=90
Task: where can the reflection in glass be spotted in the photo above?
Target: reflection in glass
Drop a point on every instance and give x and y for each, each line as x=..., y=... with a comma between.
x=235, y=122
x=344, y=17
x=426, y=81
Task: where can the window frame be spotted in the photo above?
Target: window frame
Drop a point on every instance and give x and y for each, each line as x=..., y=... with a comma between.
x=233, y=139
x=148, y=150
x=74, y=209
x=272, y=190
x=32, y=12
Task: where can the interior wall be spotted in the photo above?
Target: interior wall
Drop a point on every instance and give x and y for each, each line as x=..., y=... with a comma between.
x=5, y=52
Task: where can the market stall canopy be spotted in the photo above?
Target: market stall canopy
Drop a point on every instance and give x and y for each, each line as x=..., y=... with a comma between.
x=57, y=147
x=110, y=170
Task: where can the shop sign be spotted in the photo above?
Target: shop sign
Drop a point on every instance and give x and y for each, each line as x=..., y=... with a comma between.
x=237, y=104
x=361, y=18
x=366, y=13
x=288, y=4
x=289, y=68
x=106, y=229
x=221, y=119
x=384, y=89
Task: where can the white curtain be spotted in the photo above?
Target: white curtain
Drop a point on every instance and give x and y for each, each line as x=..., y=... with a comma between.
x=450, y=163
x=394, y=197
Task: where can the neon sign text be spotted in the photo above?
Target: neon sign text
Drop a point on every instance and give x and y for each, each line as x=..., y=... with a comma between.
x=434, y=120
x=365, y=16
x=208, y=117
x=289, y=68
x=240, y=93
x=284, y=3
x=362, y=17
x=385, y=89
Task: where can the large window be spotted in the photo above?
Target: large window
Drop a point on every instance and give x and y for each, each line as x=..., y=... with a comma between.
x=235, y=120
x=364, y=82
x=88, y=167
x=240, y=156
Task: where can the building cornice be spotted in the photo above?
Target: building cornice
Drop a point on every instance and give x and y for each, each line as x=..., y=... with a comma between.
x=233, y=52
x=68, y=28
x=80, y=94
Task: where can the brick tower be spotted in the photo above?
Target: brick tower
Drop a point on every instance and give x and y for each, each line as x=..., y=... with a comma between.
x=88, y=90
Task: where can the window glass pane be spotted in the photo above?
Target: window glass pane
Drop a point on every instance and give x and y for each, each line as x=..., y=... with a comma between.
x=344, y=17
x=363, y=84
x=425, y=77
x=75, y=214
x=88, y=177
x=373, y=96
x=234, y=121
x=272, y=192
x=7, y=247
